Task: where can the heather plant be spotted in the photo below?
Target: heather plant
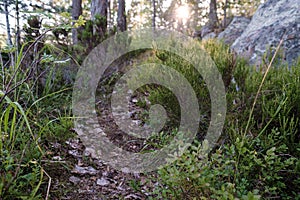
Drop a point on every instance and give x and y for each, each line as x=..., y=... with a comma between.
x=257, y=155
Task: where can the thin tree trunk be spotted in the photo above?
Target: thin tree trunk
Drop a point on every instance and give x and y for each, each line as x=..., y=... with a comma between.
x=112, y=13
x=121, y=16
x=225, y=14
x=109, y=15
x=154, y=15
x=212, y=16
x=76, y=12
x=18, y=36
x=2, y=71
x=9, y=41
x=196, y=14
x=99, y=7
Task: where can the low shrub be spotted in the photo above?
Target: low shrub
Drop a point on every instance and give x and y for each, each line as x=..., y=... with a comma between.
x=28, y=114
x=258, y=155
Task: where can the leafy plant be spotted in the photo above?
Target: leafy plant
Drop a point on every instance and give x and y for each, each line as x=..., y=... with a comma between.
x=259, y=155
x=26, y=107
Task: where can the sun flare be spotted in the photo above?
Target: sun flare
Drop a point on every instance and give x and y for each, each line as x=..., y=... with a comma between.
x=183, y=12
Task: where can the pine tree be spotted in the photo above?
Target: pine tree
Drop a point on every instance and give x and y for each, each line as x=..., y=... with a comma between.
x=99, y=16
x=122, y=25
x=76, y=12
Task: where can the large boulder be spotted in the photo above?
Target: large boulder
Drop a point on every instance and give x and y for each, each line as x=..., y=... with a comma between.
x=274, y=20
x=202, y=34
x=234, y=29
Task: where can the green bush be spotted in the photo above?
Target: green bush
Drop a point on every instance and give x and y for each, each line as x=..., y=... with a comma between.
x=197, y=176
x=27, y=113
x=259, y=155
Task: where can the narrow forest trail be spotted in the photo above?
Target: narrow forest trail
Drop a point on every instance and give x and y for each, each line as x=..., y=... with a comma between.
x=77, y=175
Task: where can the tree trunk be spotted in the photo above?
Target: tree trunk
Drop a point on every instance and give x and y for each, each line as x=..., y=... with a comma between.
x=154, y=15
x=18, y=36
x=225, y=14
x=76, y=12
x=109, y=14
x=212, y=16
x=121, y=16
x=99, y=8
x=9, y=41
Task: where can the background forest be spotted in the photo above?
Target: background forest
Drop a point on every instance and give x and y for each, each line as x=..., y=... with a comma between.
x=44, y=43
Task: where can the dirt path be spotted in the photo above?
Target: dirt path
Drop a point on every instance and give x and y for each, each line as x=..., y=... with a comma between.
x=76, y=175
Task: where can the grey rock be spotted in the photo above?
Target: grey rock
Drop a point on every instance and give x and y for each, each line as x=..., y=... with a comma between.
x=197, y=34
x=273, y=20
x=205, y=30
x=132, y=196
x=84, y=170
x=234, y=29
x=74, y=179
x=58, y=158
x=209, y=36
x=102, y=182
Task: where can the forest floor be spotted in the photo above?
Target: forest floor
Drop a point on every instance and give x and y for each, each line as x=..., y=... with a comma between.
x=76, y=174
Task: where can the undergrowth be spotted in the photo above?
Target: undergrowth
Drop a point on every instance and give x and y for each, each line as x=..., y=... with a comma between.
x=32, y=115
x=257, y=156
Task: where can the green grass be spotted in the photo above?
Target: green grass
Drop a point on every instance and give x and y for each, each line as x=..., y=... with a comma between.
x=258, y=155
x=29, y=118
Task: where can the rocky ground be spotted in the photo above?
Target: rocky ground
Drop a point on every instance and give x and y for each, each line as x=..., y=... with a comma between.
x=76, y=174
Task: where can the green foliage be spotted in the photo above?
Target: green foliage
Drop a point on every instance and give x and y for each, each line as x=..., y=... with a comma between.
x=163, y=96
x=93, y=32
x=32, y=28
x=264, y=162
x=197, y=176
x=26, y=109
x=225, y=61
x=20, y=173
x=226, y=64
x=159, y=140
